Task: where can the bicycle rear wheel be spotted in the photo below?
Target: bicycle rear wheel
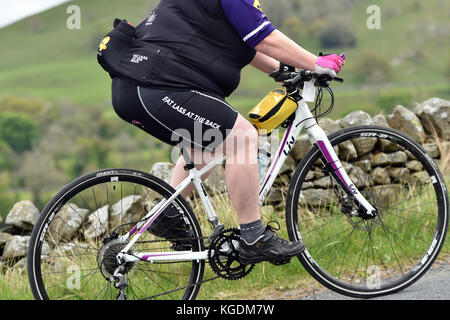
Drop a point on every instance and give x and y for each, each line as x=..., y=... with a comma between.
x=72, y=254
x=352, y=253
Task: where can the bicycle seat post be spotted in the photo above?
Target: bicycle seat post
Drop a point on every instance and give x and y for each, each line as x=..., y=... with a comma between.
x=213, y=219
x=187, y=159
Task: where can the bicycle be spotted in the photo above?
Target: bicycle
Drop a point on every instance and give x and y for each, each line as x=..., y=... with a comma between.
x=362, y=240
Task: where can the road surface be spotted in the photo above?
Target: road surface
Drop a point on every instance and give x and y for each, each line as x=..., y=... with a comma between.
x=434, y=285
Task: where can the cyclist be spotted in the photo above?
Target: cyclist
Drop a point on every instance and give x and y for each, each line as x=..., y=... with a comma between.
x=209, y=43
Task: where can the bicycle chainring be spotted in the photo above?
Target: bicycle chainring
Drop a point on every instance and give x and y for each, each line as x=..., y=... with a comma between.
x=223, y=255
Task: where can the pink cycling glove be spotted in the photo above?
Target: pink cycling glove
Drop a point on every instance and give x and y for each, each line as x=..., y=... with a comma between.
x=330, y=64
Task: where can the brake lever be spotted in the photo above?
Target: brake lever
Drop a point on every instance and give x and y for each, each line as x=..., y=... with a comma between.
x=324, y=80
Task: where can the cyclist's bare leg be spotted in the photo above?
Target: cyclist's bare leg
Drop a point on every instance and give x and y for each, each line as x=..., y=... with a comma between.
x=241, y=171
x=179, y=173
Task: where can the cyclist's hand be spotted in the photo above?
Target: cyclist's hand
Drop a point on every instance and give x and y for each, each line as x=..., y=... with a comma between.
x=330, y=64
x=283, y=73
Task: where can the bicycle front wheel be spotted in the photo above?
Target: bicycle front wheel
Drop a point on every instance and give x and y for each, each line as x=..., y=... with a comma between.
x=74, y=245
x=355, y=254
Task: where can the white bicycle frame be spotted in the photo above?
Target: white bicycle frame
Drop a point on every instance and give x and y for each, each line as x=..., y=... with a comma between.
x=303, y=119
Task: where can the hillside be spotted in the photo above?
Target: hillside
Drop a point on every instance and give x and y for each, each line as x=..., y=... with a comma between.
x=43, y=58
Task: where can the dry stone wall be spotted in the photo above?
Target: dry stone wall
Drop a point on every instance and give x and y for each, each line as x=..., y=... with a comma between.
x=368, y=161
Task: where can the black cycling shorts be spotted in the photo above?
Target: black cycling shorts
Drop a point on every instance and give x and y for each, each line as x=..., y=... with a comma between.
x=184, y=118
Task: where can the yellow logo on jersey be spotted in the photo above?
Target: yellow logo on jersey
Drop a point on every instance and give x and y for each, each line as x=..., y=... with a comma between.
x=103, y=44
x=257, y=5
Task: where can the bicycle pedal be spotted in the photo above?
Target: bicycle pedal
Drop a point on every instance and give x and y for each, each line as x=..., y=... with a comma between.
x=281, y=262
x=217, y=230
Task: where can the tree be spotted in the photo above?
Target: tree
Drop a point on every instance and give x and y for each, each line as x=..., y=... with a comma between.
x=19, y=131
x=39, y=174
x=294, y=28
x=6, y=156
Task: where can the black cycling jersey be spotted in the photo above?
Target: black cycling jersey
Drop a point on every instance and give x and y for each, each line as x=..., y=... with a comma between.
x=207, y=46
x=206, y=52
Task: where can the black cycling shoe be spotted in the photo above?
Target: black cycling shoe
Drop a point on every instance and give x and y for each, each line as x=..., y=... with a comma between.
x=170, y=225
x=269, y=247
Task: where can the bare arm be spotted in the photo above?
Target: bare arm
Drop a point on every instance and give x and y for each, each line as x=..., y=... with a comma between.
x=279, y=47
x=265, y=63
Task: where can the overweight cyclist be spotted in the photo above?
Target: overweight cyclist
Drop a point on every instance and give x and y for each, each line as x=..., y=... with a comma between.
x=209, y=43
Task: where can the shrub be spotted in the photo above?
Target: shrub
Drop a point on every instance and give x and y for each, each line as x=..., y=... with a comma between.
x=31, y=107
x=372, y=67
x=316, y=28
x=447, y=71
x=338, y=33
x=387, y=102
x=294, y=29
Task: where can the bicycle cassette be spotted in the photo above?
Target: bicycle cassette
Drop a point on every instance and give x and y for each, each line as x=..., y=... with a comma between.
x=223, y=255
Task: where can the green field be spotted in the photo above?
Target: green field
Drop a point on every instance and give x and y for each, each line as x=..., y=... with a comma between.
x=42, y=58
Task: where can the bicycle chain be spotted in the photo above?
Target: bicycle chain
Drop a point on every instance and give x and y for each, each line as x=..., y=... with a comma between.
x=208, y=240
x=185, y=287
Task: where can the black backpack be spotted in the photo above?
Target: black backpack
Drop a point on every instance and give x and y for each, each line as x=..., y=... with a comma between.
x=121, y=53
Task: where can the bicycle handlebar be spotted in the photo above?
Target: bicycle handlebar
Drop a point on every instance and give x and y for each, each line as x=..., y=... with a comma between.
x=295, y=79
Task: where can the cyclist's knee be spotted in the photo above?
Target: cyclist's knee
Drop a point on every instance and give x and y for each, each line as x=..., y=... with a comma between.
x=245, y=128
x=243, y=137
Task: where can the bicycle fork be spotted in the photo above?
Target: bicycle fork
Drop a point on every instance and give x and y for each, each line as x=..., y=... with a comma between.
x=318, y=136
x=305, y=119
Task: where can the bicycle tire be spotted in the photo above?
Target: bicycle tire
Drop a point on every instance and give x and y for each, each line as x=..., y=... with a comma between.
x=405, y=258
x=51, y=273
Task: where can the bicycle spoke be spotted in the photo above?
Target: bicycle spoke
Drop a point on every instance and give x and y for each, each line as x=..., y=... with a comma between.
x=345, y=245
x=80, y=265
